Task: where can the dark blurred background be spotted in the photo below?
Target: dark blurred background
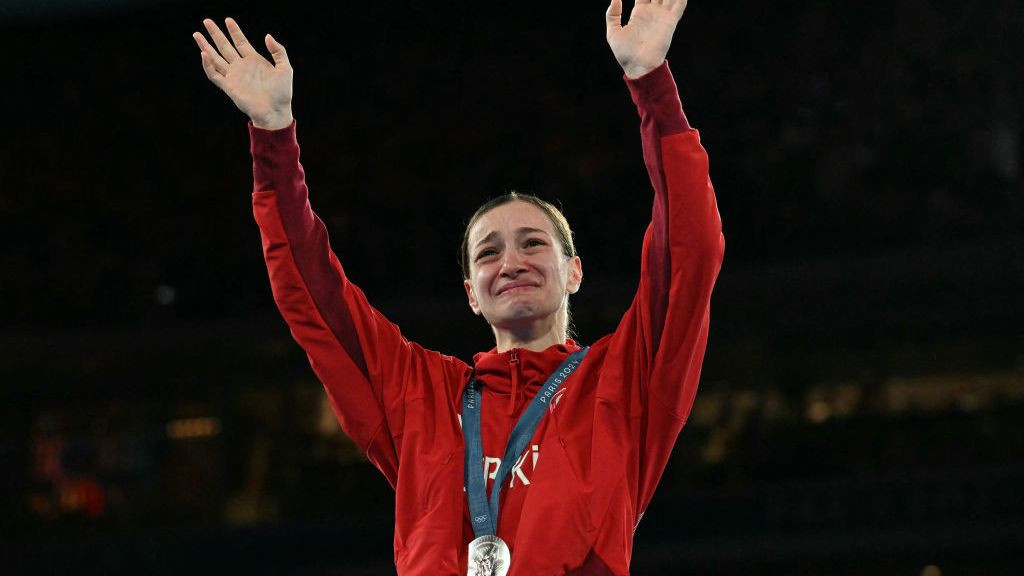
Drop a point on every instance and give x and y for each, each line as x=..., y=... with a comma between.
x=863, y=390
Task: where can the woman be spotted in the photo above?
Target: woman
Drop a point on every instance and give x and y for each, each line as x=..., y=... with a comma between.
x=575, y=439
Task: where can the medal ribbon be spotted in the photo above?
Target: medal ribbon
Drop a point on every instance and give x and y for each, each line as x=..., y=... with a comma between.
x=483, y=514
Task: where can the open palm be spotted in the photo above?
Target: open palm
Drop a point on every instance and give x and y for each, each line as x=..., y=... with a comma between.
x=641, y=45
x=260, y=89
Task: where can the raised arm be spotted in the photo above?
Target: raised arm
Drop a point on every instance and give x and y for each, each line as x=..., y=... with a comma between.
x=260, y=89
x=664, y=334
x=370, y=372
x=640, y=47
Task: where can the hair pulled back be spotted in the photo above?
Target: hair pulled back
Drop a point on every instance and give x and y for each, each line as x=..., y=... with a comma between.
x=554, y=214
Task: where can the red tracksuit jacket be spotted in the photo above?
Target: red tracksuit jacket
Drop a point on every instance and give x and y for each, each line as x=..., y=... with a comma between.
x=572, y=502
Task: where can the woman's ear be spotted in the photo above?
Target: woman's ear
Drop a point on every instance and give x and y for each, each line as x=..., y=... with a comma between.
x=473, y=304
x=575, y=275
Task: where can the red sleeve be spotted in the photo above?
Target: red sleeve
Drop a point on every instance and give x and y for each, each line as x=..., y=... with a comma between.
x=368, y=369
x=664, y=334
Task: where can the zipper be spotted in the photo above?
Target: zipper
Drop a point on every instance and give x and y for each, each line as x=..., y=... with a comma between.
x=513, y=361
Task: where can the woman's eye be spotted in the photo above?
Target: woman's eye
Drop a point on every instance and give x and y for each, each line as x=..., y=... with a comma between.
x=534, y=242
x=486, y=253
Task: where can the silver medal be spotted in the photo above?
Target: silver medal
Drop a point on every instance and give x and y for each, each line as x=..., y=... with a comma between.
x=489, y=556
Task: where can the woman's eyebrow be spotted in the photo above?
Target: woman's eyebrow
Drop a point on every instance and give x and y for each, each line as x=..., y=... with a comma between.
x=487, y=238
x=523, y=231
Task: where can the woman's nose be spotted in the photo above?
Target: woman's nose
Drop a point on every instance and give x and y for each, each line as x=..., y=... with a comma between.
x=512, y=263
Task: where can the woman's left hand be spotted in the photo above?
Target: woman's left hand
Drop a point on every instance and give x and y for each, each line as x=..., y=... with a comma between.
x=641, y=45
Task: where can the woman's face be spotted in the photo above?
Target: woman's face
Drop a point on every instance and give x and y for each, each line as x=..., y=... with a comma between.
x=518, y=273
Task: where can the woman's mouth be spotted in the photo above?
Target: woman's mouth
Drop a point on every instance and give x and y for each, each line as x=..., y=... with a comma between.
x=516, y=288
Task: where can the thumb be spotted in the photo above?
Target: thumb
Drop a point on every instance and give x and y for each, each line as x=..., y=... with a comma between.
x=277, y=51
x=613, y=17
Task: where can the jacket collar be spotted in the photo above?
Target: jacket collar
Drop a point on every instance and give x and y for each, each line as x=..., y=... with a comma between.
x=494, y=369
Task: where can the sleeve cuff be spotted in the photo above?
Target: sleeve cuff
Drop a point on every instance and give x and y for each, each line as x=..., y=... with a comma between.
x=655, y=93
x=266, y=140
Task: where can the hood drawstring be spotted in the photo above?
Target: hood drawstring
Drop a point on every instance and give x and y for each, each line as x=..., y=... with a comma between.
x=513, y=361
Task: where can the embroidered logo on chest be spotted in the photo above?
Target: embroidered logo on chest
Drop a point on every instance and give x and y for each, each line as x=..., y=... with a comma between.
x=556, y=399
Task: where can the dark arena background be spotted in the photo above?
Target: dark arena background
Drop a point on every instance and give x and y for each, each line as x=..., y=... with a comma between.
x=862, y=398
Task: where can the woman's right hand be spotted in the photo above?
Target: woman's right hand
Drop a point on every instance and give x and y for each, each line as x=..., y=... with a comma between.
x=261, y=89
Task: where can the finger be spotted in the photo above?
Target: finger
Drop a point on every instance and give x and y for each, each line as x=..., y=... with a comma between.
x=209, y=51
x=241, y=42
x=212, y=73
x=227, y=51
x=277, y=51
x=613, y=17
